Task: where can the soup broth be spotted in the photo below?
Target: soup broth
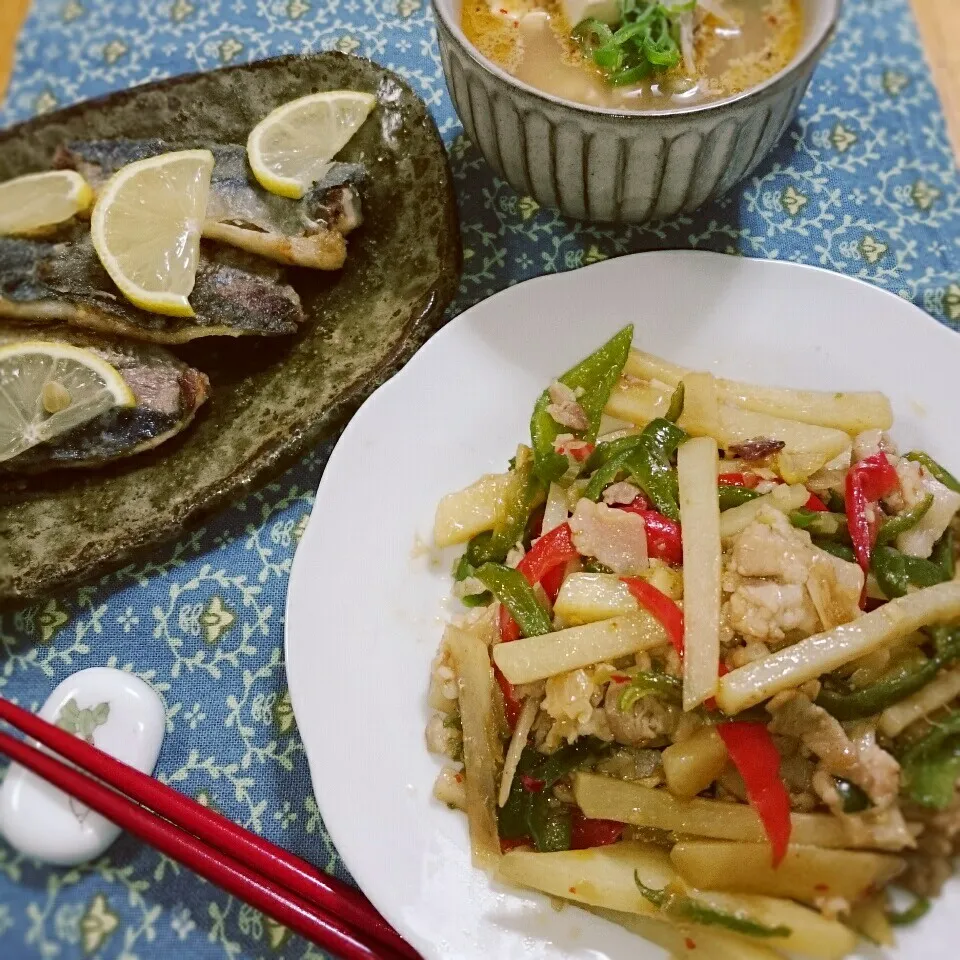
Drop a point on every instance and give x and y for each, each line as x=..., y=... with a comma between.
x=732, y=47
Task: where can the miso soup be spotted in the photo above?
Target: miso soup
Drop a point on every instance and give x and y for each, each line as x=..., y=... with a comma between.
x=636, y=54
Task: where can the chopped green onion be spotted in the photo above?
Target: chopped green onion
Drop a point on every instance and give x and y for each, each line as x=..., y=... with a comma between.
x=625, y=77
x=610, y=57
x=645, y=41
x=592, y=34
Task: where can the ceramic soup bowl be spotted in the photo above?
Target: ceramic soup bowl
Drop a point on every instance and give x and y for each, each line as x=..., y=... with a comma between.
x=597, y=163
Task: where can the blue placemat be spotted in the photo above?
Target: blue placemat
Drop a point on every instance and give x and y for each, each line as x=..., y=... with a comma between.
x=863, y=183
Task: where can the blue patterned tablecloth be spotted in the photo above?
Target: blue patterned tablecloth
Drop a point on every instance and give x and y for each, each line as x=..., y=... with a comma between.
x=863, y=183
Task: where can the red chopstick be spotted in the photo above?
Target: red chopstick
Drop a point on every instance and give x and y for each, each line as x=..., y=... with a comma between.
x=296, y=894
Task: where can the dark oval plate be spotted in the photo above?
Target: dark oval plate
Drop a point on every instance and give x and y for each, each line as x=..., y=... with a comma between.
x=272, y=398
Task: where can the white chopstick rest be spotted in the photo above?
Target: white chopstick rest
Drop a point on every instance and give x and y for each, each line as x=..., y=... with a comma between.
x=117, y=713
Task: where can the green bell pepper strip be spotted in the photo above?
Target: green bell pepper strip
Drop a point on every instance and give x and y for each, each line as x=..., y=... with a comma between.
x=477, y=599
x=530, y=813
x=596, y=375
x=868, y=701
x=524, y=494
x=892, y=528
x=878, y=696
x=933, y=782
x=931, y=466
x=902, y=918
x=896, y=572
x=944, y=554
x=675, y=410
x=733, y=496
x=595, y=566
x=512, y=816
x=686, y=908
x=462, y=569
x=611, y=450
x=946, y=643
x=647, y=459
x=648, y=683
x=835, y=502
x=606, y=462
x=821, y=523
x=550, y=826
x=510, y=587
x=569, y=758
x=852, y=798
x=840, y=550
x=606, y=475
x=931, y=765
x=649, y=465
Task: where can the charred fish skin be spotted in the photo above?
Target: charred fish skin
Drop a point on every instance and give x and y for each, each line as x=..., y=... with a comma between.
x=236, y=198
x=235, y=294
x=168, y=395
x=334, y=199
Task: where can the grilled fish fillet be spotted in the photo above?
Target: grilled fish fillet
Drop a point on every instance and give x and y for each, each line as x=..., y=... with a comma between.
x=168, y=394
x=235, y=294
x=305, y=233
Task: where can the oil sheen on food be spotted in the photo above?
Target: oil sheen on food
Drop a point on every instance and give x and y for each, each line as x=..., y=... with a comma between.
x=736, y=46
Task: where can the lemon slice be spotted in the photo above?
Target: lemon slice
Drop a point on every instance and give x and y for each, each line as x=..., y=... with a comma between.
x=291, y=148
x=146, y=228
x=41, y=200
x=47, y=389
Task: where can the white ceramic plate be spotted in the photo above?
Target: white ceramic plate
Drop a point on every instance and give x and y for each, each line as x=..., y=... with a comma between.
x=365, y=614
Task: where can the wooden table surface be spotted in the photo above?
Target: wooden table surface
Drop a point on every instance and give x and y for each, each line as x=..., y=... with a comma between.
x=939, y=26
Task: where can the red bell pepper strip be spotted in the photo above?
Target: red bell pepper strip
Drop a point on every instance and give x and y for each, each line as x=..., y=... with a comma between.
x=549, y=551
x=748, y=480
x=757, y=759
x=867, y=481
x=816, y=504
x=586, y=833
x=552, y=551
x=512, y=705
x=660, y=606
x=877, y=476
x=664, y=539
x=578, y=449
x=507, y=843
x=552, y=581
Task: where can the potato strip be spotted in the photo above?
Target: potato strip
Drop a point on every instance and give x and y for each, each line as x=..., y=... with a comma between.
x=825, y=652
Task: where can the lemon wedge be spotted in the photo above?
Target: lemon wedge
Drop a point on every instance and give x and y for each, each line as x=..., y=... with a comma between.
x=39, y=200
x=47, y=389
x=146, y=227
x=291, y=148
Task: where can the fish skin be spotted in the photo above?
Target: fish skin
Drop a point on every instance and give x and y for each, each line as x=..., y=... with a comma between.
x=235, y=294
x=168, y=395
x=308, y=233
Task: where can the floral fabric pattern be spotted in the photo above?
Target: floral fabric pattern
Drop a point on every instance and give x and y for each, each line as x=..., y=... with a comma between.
x=864, y=183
